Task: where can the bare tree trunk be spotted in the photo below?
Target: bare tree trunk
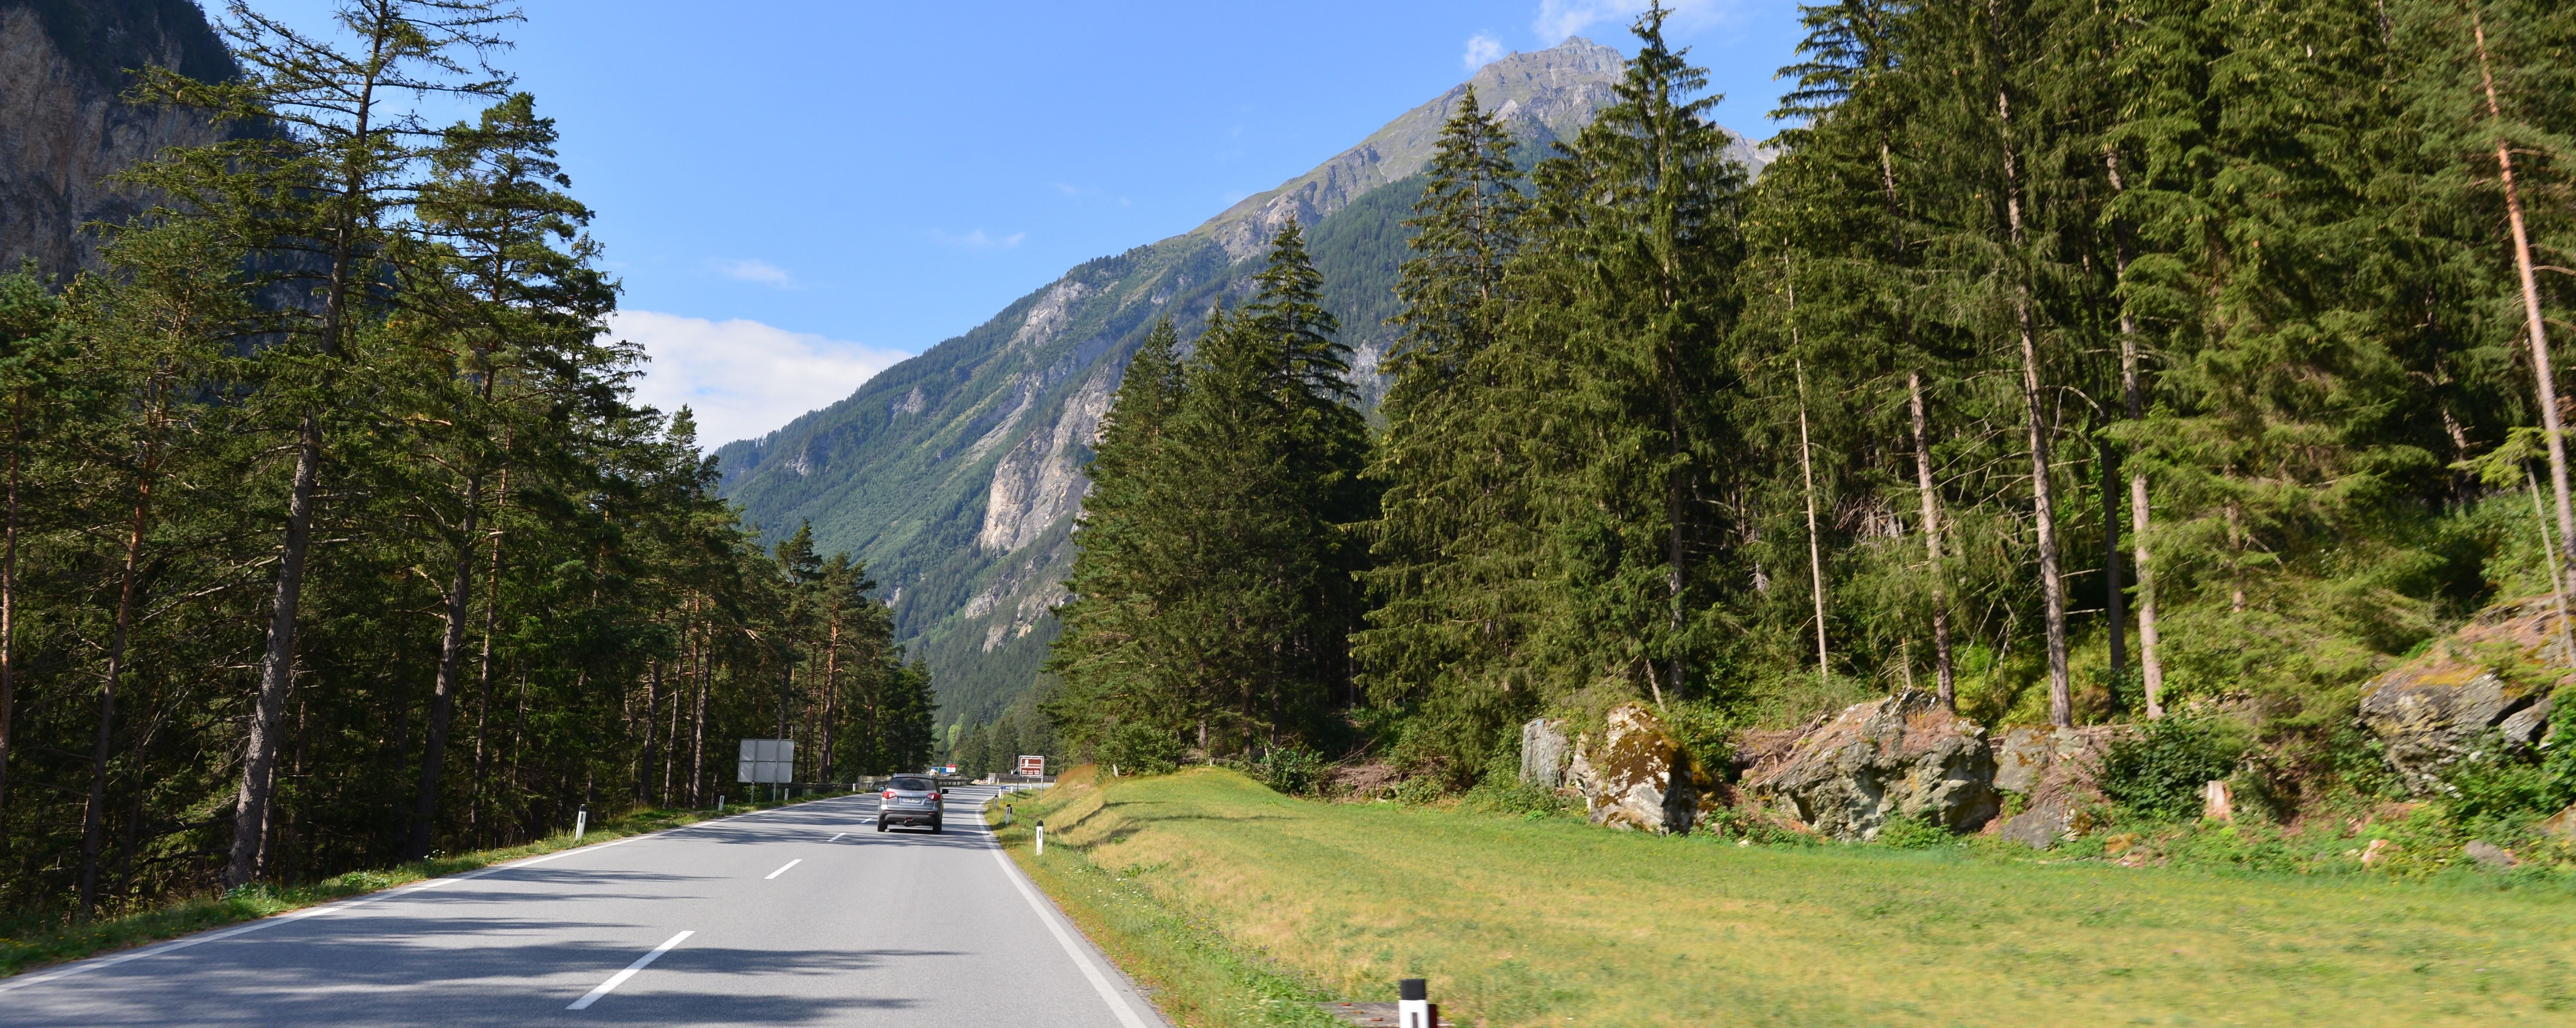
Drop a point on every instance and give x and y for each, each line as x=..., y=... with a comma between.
x=698, y=729
x=2557, y=583
x=1946, y=671
x=1815, y=549
x=451, y=663
x=652, y=721
x=2114, y=594
x=2543, y=378
x=483, y=669
x=2151, y=668
x=93, y=815
x=2235, y=555
x=9, y=596
x=277, y=665
x=2061, y=693
x=831, y=687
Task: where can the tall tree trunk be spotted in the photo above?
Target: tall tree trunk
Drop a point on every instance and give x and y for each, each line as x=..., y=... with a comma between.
x=451, y=662
x=698, y=728
x=1815, y=549
x=277, y=665
x=2543, y=378
x=483, y=669
x=652, y=721
x=2114, y=593
x=9, y=597
x=2061, y=692
x=2557, y=583
x=1946, y=672
x=2151, y=668
x=93, y=815
x=831, y=688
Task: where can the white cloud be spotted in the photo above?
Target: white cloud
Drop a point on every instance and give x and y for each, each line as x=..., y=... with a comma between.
x=1483, y=49
x=1558, y=19
x=978, y=240
x=762, y=272
x=1068, y=188
x=742, y=378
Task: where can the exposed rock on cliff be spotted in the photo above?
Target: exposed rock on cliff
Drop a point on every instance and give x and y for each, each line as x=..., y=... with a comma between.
x=63, y=130
x=2430, y=712
x=1635, y=774
x=2055, y=769
x=1900, y=757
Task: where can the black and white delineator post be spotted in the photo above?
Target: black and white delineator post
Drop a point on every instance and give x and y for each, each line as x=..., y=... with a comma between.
x=580, y=822
x=1413, y=1007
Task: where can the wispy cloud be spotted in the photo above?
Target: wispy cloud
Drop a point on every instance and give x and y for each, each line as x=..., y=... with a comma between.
x=1558, y=19
x=1069, y=189
x=1483, y=49
x=743, y=378
x=978, y=240
x=762, y=272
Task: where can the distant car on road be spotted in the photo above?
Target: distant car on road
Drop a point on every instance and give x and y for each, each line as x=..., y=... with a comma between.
x=909, y=800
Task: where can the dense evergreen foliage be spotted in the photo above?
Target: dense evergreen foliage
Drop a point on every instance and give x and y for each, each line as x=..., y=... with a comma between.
x=2076, y=362
x=332, y=536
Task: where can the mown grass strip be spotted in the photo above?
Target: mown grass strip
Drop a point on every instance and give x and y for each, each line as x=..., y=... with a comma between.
x=29, y=947
x=1551, y=921
x=1192, y=973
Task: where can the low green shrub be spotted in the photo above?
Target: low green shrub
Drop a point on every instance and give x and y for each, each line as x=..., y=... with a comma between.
x=2159, y=772
x=1290, y=770
x=1912, y=833
x=1140, y=749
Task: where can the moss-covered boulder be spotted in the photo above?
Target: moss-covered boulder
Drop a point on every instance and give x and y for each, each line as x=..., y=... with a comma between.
x=1901, y=757
x=1635, y=774
x=2495, y=673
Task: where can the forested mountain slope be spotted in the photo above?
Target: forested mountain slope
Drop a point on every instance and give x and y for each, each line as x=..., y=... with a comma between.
x=957, y=474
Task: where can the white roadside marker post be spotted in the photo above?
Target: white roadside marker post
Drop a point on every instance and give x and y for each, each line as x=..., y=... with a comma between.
x=1041, y=838
x=580, y=822
x=719, y=803
x=1413, y=1007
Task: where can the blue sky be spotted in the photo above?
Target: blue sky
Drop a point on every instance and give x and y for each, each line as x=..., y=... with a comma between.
x=797, y=194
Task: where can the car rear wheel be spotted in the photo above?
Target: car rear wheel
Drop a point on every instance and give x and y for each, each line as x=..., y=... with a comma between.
x=880, y=824
x=934, y=828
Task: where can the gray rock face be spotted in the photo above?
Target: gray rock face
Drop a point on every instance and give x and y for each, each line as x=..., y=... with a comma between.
x=1635, y=775
x=1543, y=753
x=1900, y=757
x=2428, y=716
x=2430, y=712
x=2055, y=768
x=2490, y=855
x=62, y=129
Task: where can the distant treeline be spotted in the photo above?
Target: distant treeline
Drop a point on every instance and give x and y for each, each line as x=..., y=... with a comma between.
x=2074, y=362
x=332, y=536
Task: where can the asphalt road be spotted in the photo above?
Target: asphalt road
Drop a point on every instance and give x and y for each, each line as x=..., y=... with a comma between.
x=802, y=915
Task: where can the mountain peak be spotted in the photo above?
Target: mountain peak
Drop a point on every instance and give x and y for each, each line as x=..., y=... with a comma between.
x=1545, y=94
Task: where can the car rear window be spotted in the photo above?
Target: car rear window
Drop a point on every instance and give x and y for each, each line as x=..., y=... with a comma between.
x=910, y=785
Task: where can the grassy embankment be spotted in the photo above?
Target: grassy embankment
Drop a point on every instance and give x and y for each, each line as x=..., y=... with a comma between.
x=1239, y=906
x=25, y=947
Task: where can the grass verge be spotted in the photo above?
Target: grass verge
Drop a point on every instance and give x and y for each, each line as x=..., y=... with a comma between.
x=1544, y=920
x=26, y=947
x=1185, y=963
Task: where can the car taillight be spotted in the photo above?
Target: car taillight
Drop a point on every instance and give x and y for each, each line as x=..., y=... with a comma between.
x=889, y=794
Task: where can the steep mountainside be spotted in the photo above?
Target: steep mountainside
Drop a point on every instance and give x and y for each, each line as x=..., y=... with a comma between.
x=957, y=474
x=62, y=128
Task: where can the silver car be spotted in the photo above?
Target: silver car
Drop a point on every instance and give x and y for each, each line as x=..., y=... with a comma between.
x=909, y=800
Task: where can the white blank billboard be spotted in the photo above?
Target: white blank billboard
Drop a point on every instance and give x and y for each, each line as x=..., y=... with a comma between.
x=768, y=761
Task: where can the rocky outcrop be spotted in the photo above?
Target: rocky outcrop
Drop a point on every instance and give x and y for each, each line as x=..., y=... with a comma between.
x=63, y=130
x=1544, y=751
x=1634, y=774
x=2430, y=712
x=2054, y=770
x=1900, y=757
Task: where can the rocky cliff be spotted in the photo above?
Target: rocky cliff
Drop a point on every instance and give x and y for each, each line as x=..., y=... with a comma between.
x=957, y=474
x=62, y=128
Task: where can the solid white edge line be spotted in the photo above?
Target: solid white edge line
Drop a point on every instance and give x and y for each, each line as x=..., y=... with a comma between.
x=1099, y=982
x=836, y=837
x=335, y=906
x=783, y=870
x=620, y=977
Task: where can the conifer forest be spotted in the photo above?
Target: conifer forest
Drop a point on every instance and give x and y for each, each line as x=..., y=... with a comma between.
x=333, y=538
x=2074, y=363
x=2149, y=362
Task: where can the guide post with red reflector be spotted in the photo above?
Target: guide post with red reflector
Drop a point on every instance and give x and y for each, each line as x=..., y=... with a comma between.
x=1413, y=1008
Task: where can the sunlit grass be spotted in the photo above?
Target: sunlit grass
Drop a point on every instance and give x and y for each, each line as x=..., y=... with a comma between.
x=1520, y=921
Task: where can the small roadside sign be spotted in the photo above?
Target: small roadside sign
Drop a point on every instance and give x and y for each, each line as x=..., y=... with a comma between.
x=1032, y=767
